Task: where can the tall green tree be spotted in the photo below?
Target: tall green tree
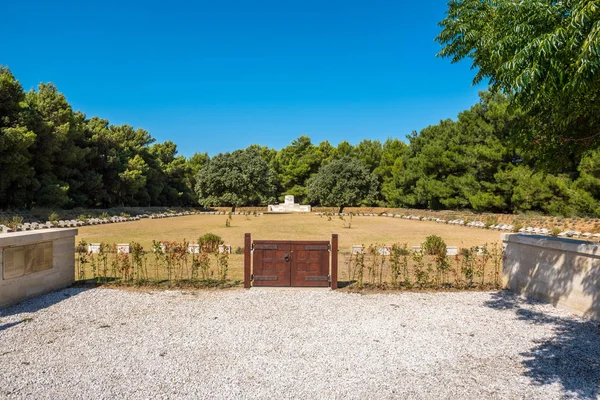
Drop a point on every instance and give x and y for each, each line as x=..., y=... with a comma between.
x=241, y=178
x=294, y=165
x=16, y=139
x=545, y=55
x=343, y=182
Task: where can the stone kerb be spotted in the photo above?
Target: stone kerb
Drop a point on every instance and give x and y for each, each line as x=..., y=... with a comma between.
x=35, y=262
x=563, y=272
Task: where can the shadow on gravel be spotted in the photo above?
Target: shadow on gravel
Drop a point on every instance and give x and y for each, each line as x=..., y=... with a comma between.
x=343, y=284
x=40, y=302
x=570, y=358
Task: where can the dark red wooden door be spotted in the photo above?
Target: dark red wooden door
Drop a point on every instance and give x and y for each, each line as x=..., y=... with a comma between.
x=310, y=264
x=272, y=261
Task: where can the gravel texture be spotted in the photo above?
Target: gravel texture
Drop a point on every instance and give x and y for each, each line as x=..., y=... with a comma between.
x=270, y=343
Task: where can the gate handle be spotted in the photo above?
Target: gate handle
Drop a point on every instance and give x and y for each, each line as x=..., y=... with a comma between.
x=287, y=257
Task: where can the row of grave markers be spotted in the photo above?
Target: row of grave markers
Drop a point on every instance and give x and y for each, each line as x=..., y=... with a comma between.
x=27, y=226
x=387, y=250
x=125, y=248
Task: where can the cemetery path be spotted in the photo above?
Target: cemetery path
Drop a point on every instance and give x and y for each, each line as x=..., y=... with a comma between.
x=262, y=343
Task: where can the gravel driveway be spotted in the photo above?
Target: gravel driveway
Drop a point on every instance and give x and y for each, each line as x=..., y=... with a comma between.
x=269, y=343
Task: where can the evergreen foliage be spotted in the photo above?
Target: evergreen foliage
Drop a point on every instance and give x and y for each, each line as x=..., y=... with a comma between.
x=51, y=155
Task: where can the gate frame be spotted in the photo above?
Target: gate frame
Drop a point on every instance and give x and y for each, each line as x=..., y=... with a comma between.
x=248, y=262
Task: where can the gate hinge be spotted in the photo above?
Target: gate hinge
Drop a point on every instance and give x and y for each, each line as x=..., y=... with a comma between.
x=252, y=247
x=251, y=277
x=329, y=247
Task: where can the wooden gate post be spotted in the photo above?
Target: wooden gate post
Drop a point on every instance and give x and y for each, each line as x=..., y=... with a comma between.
x=334, y=261
x=247, y=256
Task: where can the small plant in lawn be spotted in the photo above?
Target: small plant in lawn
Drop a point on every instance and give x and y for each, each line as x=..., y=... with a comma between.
x=210, y=242
x=359, y=270
x=347, y=223
x=373, y=259
x=420, y=272
x=104, y=215
x=223, y=262
x=555, y=231
x=15, y=222
x=434, y=245
x=491, y=220
x=138, y=261
x=54, y=218
x=496, y=255
x=468, y=265
x=239, y=250
x=227, y=223
x=158, y=249
x=82, y=259
x=517, y=225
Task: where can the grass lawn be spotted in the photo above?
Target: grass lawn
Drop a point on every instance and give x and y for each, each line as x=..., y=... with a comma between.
x=365, y=230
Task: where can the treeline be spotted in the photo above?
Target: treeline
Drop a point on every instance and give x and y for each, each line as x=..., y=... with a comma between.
x=471, y=163
x=52, y=156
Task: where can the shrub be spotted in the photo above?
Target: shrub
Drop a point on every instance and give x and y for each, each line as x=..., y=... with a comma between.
x=15, y=222
x=210, y=242
x=555, y=231
x=434, y=245
x=54, y=217
x=516, y=226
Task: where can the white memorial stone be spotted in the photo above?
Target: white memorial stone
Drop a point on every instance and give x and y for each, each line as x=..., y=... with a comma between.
x=357, y=249
x=289, y=206
x=94, y=248
x=385, y=251
x=451, y=251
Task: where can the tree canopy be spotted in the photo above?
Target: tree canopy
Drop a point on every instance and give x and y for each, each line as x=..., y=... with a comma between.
x=545, y=56
x=234, y=179
x=54, y=156
x=343, y=182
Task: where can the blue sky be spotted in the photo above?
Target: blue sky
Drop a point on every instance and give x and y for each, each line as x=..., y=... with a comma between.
x=216, y=76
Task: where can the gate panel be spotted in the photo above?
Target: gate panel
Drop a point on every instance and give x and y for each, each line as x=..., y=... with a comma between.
x=310, y=264
x=271, y=263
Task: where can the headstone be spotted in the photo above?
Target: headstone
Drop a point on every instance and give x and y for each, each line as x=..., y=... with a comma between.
x=415, y=249
x=193, y=248
x=385, y=250
x=357, y=249
x=451, y=251
x=225, y=248
x=288, y=206
x=123, y=248
x=94, y=248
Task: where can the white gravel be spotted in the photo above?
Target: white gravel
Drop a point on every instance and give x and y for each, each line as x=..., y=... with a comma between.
x=269, y=343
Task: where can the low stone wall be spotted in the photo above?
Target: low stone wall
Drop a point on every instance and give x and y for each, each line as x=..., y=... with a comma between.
x=561, y=271
x=34, y=263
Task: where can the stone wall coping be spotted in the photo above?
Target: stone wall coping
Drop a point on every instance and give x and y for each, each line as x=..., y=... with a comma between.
x=27, y=237
x=559, y=244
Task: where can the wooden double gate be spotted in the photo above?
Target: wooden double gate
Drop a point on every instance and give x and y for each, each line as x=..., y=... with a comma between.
x=290, y=263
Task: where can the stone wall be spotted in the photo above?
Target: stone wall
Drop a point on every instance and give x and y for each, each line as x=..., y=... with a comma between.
x=35, y=262
x=561, y=271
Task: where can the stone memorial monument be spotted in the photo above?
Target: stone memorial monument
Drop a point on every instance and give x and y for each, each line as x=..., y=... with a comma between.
x=288, y=206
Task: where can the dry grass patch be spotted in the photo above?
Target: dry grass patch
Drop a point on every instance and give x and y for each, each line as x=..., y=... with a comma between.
x=365, y=231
